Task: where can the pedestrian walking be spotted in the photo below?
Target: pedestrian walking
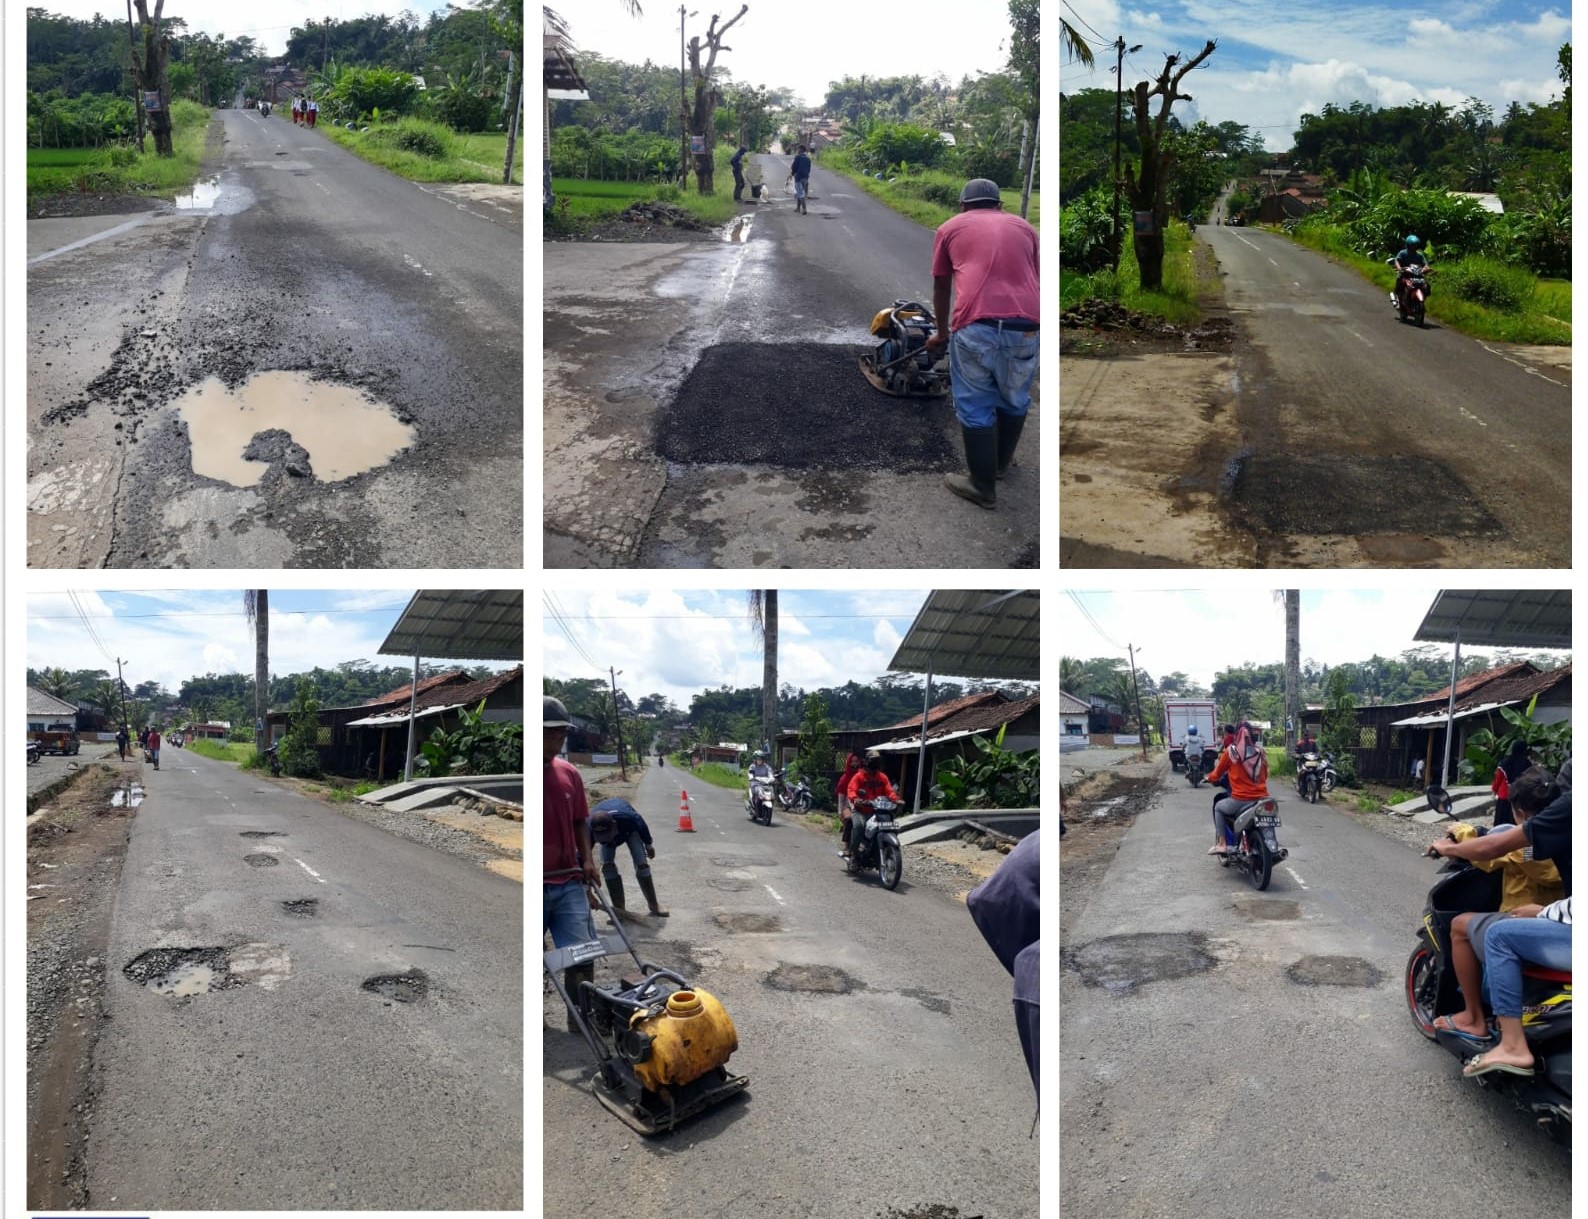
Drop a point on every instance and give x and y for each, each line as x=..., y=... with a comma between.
x=1417, y=770
x=800, y=174
x=153, y=746
x=123, y=739
x=297, y=109
x=987, y=259
x=737, y=164
x=615, y=823
x=569, y=859
x=314, y=111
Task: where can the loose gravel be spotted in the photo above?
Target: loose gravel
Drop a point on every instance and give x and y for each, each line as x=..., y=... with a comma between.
x=416, y=827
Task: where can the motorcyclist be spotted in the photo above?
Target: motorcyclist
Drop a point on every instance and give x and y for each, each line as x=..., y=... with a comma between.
x=1408, y=257
x=1193, y=748
x=760, y=771
x=867, y=785
x=1247, y=768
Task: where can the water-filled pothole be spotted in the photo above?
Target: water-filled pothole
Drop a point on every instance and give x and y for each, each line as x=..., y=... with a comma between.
x=813, y=979
x=302, y=907
x=130, y=796
x=261, y=861
x=1333, y=971
x=753, y=923
x=1123, y=962
x=203, y=194
x=307, y=428
x=182, y=972
x=409, y=987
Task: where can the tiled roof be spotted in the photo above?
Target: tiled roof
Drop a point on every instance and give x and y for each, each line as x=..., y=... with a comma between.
x=987, y=718
x=40, y=703
x=425, y=684
x=1468, y=685
x=1520, y=687
x=470, y=693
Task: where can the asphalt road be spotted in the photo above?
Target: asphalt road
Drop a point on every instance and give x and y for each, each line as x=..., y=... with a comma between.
x=305, y=259
x=300, y=1090
x=1428, y=444
x=1234, y=1091
x=909, y=1092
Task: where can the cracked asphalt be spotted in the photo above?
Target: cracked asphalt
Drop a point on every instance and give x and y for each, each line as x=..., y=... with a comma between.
x=308, y=260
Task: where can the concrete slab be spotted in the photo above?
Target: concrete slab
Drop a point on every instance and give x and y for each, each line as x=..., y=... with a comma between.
x=430, y=797
x=1464, y=797
x=1429, y=817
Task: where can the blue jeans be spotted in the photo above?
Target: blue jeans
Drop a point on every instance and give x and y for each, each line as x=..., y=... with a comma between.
x=991, y=370
x=1510, y=942
x=565, y=913
x=609, y=858
x=802, y=187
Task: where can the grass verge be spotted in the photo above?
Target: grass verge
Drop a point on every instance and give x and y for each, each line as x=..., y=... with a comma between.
x=719, y=775
x=1175, y=301
x=583, y=201
x=240, y=752
x=429, y=152
x=121, y=169
x=929, y=197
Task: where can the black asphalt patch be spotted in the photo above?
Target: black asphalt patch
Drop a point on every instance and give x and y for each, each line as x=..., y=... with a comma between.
x=931, y=1002
x=407, y=987
x=801, y=406
x=813, y=979
x=1268, y=907
x=1333, y=971
x=261, y=861
x=302, y=907
x=1123, y=962
x=932, y=1210
x=262, y=834
x=749, y=923
x=1356, y=496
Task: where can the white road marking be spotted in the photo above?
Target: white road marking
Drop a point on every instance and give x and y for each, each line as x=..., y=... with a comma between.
x=77, y=245
x=1466, y=414
x=1253, y=244
x=321, y=185
x=1527, y=368
x=775, y=897
x=414, y=263
x=1359, y=335
x=1294, y=877
x=1272, y=261
x=318, y=878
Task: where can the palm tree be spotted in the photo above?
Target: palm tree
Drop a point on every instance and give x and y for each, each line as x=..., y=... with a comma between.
x=105, y=696
x=763, y=613
x=57, y=682
x=1071, y=673
x=256, y=607
x=1070, y=39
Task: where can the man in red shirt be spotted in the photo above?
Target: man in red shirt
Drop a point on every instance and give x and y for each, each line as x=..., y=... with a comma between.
x=569, y=863
x=866, y=786
x=988, y=258
x=153, y=746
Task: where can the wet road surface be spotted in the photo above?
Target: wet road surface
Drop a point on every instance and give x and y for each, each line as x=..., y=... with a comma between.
x=315, y=1075
x=876, y=1029
x=389, y=312
x=1230, y=1053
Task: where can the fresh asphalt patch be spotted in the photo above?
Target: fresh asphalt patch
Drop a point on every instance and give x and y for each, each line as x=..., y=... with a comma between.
x=800, y=406
x=1358, y=495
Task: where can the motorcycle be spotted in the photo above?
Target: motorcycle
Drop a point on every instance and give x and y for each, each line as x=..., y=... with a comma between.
x=758, y=801
x=1309, y=777
x=1330, y=777
x=33, y=752
x=1411, y=292
x=796, y=796
x=1194, y=769
x=1432, y=991
x=274, y=759
x=1253, y=844
x=877, y=845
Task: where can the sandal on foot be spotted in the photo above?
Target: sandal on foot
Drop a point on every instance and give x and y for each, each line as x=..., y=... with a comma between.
x=1482, y=1064
x=1218, y=850
x=1447, y=1024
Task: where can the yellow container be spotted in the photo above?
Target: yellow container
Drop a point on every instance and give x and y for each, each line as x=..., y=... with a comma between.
x=693, y=1036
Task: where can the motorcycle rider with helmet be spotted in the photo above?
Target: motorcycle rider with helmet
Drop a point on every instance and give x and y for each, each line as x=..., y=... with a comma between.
x=1409, y=257
x=1247, y=768
x=760, y=771
x=867, y=785
x=1193, y=748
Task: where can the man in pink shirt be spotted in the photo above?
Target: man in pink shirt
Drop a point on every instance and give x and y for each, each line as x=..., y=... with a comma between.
x=569, y=861
x=988, y=259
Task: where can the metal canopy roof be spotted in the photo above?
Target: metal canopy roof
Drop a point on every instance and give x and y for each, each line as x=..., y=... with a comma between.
x=1508, y=618
x=460, y=624
x=974, y=633
x=1441, y=717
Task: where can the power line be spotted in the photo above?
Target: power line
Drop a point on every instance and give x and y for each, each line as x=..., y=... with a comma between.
x=565, y=627
x=89, y=627
x=1082, y=20
x=909, y=613
x=274, y=613
x=1087, y=614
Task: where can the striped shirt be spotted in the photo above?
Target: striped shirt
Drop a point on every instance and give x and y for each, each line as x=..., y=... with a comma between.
x=1558, y=912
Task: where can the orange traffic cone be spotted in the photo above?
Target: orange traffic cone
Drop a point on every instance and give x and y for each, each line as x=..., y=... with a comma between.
x=685, y=824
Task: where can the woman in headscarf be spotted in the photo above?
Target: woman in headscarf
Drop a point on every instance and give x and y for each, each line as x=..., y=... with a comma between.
x=1247, y=768
x=852, y=766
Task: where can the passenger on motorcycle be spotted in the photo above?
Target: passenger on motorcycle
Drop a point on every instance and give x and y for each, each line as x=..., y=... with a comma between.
x=1247, y=768
x=865, y=787
x=1408, y=257
x=760, y=771
x=1544, y=938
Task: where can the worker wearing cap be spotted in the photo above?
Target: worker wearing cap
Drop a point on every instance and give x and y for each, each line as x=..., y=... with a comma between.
x=987, y=258
x=615, y=823
x=569, y=861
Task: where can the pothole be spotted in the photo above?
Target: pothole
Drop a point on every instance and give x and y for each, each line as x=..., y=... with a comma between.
x=409, y=987
x=728, y=884
x=302, y=907
x=1333, y=971
x=283, y=420
x=812, y=979
x=931, y=1002
x=752, y=923
x=1124, y=962
x=204, y=193
x=1268, y=907
x=260, y=860
x=182, y=972
x=742, y=861
x=262, y=834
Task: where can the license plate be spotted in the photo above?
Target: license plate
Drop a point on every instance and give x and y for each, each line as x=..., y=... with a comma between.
x=1268, y=821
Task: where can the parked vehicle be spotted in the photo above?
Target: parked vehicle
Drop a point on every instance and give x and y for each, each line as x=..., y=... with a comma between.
x=1411, y=292
x=33, y=752
x=57, y=739
x=758, y=801
x=273, y=757
x=1309, y=776
x=878, y=844
x=1432, y=991
x=1330, y=777
x=1178, y=715
x=1253, y=842
x=796, y=796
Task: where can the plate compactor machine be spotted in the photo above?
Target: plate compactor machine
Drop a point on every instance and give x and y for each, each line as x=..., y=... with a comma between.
x=901, y=365
x=660, y=1044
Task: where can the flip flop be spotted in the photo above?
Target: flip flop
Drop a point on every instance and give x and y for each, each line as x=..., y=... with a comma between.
x=1446, y=1024
x=1479, y=1064
x=1218, y=851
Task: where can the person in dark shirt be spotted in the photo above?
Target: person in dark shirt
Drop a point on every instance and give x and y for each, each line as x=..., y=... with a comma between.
x=737, y=164
x=615, y=823
x=1007, y=910
x=1512, y=767
x=800, y=174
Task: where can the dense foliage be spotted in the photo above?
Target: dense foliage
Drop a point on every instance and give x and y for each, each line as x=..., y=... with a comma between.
x=299, y=749
x=475, y=747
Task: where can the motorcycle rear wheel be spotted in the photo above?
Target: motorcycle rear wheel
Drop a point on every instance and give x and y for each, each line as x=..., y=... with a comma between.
x=1423, y=968
x=1328, y=781
x=1312, y=788
x=1259, y=863
x=890, y=864
x=804, y=802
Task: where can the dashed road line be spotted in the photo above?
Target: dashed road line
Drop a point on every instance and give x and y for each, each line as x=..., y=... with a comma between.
x=317, y=877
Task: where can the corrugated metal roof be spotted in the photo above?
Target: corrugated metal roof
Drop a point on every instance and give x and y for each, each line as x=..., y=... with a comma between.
x=1507, y=618
x=460, y=624
x=41, y=703
x=975, y=633
x=952, y=707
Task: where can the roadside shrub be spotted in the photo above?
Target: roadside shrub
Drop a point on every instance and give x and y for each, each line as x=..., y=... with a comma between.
x=1488, y=281
x=419, y=137
x=1002, y=165
x=1449, y=226
x=360, y=91
x=932, y=190
x=888, y=144
x=300, y=756
x=668, y=193
x=464, y=109
x=1085, y=231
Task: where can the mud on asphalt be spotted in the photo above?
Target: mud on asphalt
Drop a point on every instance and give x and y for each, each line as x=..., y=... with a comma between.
x=1097, y=812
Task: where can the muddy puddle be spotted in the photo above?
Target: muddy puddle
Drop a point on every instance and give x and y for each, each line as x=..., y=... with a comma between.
x=312, y=429
x=737, y=231
x=130, y=796
x=213, y=195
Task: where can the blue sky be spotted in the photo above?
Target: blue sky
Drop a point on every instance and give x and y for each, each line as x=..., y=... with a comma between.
x=1277, y=61
x=1201, y=633
x=678, y=643
x=168, y=636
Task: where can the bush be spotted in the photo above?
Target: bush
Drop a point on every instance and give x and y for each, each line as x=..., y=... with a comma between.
x=1086, y=230
x=1449, y=226
x=890, y=144
x=668, y=193
x=419, y=137
x=463, y=109
x=985, y=161
x=932, y=190
x=1488, y=281
x=300, y=754
x=361, y=91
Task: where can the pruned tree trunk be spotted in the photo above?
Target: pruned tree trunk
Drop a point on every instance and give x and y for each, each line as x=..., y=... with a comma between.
x=706, y=99
x=515, y=107
x=1292, y=666
x=151, y=76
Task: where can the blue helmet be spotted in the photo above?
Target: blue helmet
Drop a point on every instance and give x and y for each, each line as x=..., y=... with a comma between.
x=1411, y=240
x=1191, y=731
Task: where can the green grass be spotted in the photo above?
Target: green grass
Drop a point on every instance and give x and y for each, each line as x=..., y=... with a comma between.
x=466, y=158
x=240, y=752
x=719, y=775
x=1175, y=302
x=903, y=198
x=591, y=199
x=121, y=170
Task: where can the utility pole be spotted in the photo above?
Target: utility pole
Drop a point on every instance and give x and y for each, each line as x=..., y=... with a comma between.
x=1119, y=89
x=121, y=686
x=1141, y=725
x=617, y=720
x=683, y=108
x=137, y=96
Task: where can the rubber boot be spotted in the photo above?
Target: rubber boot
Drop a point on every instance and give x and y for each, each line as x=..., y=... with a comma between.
x=648, y=887
x=981, y=456
x=570, y=981
x=615, y=892
x=1009, y=429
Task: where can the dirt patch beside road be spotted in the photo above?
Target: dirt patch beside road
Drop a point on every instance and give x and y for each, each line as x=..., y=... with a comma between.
x=1098, y=812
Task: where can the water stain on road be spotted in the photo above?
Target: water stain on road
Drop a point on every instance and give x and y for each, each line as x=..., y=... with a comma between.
x=1121, y=963
x=1333, y=971
x=341, y=429
x=812, y=979
x=1268, y=907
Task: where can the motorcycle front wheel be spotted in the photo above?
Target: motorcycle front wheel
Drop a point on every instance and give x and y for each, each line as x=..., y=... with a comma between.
x=805, y=802
x=1259, y=863
x=890, y=864
x=1328, y=781
x=1423, y=968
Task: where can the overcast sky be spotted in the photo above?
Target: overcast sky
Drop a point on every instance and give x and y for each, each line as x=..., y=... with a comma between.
x=268, y=23
x=806, y=45
x=679, y=643
x=1201, y=633
x=171, y=636
x=1276, y=62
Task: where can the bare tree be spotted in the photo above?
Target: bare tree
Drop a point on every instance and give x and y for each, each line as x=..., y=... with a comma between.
x=707, y=98
x=763, y=612
x=256, y=607
x=151, y=76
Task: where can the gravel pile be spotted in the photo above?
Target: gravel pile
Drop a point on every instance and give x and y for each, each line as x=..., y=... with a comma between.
x=416, y=827
x=651, y=211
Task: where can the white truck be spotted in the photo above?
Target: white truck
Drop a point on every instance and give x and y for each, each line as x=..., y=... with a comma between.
x=1178, y=715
